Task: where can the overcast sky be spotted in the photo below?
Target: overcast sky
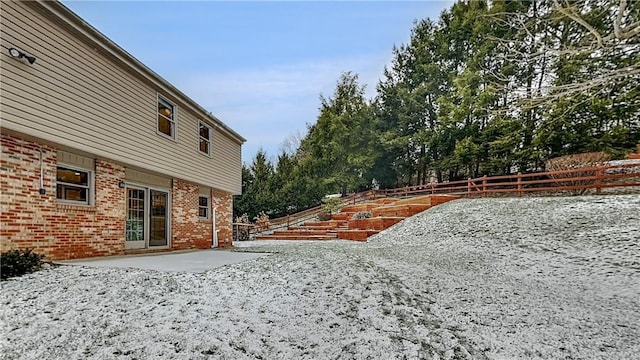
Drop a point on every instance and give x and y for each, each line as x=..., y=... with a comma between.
x=260, y=66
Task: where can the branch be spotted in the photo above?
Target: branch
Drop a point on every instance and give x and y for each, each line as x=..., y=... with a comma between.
x=617, y=24
x=575, y=17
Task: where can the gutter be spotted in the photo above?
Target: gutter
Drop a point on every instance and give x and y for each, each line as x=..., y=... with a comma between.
x=83, y=28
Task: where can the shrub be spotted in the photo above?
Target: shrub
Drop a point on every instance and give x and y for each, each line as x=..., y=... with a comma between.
x=241, y=228
x=361, y=215
x=324, y=216
x=19, y=262
x=576, y=161
x=242, y=219
x=331, y=204
x=262, y=221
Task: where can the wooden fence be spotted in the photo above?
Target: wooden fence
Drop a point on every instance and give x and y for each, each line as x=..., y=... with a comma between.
x=564, y=182
x=573, y=181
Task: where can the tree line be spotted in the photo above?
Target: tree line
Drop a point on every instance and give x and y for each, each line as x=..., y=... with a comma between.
x=489, y=88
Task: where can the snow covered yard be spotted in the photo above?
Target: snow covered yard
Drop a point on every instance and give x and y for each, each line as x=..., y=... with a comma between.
x=550, y=278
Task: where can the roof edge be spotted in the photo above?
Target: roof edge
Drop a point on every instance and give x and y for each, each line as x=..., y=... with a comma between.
x=74, y=21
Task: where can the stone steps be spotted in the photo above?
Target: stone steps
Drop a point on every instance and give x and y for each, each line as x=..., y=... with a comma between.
x=343, y=216
x=405, y=210
x=360, y=207
x=356, y=235
x=301, y=231
x=295, y=237
x=386, y=212
x=375, y=223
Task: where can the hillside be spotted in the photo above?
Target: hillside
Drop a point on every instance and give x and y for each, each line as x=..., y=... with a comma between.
x=551, y=278
x=527, y=278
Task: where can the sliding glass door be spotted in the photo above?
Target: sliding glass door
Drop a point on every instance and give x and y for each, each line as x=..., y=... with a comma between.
x=135, y=221
x=147, y=218
x=158, y=234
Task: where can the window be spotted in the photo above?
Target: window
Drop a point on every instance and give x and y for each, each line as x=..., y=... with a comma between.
x=205, y=139
x=73, y=185
x=203, y=207
x=166, y=118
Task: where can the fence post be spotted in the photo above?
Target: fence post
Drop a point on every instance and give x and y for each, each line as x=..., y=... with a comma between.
x=599, y=176
x=519, y=183
x=484, y=185
x=469, y=186
x=288, y=221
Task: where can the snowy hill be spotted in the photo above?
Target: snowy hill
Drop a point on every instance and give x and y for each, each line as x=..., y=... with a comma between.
x=550, y=278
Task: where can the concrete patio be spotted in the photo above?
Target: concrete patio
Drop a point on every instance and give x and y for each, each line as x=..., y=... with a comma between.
x=197, y=261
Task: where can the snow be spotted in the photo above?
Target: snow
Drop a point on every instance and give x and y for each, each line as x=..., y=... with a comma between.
x=529, y=278
x=189, y=261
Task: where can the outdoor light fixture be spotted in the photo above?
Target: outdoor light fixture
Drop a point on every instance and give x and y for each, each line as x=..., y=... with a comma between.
x=16, y=53
x=121, y=184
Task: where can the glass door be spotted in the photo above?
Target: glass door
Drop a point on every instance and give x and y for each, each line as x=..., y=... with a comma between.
x=135, y=222
x=147, y=221
x=158, y=225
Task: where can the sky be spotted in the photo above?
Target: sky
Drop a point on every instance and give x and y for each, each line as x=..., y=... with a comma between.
x=260, y=66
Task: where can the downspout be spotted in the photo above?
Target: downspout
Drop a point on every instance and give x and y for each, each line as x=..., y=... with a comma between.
x=41, y=190
x=214, y=231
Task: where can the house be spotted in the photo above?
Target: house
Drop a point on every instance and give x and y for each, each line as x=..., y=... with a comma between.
x=100, y=155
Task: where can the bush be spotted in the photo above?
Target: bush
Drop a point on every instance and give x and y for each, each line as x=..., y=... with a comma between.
x=19, y=262
x=331, y=204
x=576, y=161
x=361, y=215
x=324, y=216
x=262, y=221
x=242, y=219
x=241, y=228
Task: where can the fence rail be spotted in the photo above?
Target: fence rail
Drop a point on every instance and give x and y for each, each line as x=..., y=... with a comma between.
x=308, y=214
x=575, y=181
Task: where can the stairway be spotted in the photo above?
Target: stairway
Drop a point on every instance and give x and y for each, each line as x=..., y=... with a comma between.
x=385, y=213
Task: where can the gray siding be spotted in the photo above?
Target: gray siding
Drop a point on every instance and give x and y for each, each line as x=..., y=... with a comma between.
x=79, y=96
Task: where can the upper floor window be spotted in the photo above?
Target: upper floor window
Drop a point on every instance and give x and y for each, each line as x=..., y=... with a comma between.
x=203, y=207
x=166, y=118
x=205, y=139
x=73, y=185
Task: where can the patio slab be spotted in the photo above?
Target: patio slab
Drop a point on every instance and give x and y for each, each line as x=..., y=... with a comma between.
x=192, y=261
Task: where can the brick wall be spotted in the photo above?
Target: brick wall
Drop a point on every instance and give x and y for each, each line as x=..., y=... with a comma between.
x=59, y=231
x=188, y=230
x=62, y=231
x=224, y=217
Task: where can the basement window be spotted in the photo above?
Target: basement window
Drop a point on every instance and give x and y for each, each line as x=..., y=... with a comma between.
x=203, y=207
x=166, y=118
x=73, y=185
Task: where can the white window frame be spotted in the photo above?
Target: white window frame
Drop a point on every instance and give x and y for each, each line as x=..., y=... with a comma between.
x=200, y=138
x=174, y=120
x=90, y=185
x=208, y=207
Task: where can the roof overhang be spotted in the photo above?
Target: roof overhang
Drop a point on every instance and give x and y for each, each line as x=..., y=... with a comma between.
x=59, y=12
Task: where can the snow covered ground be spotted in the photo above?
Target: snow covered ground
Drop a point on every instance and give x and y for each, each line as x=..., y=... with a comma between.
x=548, y=278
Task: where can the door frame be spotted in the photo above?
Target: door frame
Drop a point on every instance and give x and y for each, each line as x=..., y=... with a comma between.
x=141, y=244
x=167, y=218
x=147, y=214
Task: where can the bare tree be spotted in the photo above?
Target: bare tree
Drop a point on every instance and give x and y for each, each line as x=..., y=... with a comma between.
x=601, y=35
x=291, y=143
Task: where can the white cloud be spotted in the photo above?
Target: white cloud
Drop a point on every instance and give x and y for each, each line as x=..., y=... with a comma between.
x=265, y=105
